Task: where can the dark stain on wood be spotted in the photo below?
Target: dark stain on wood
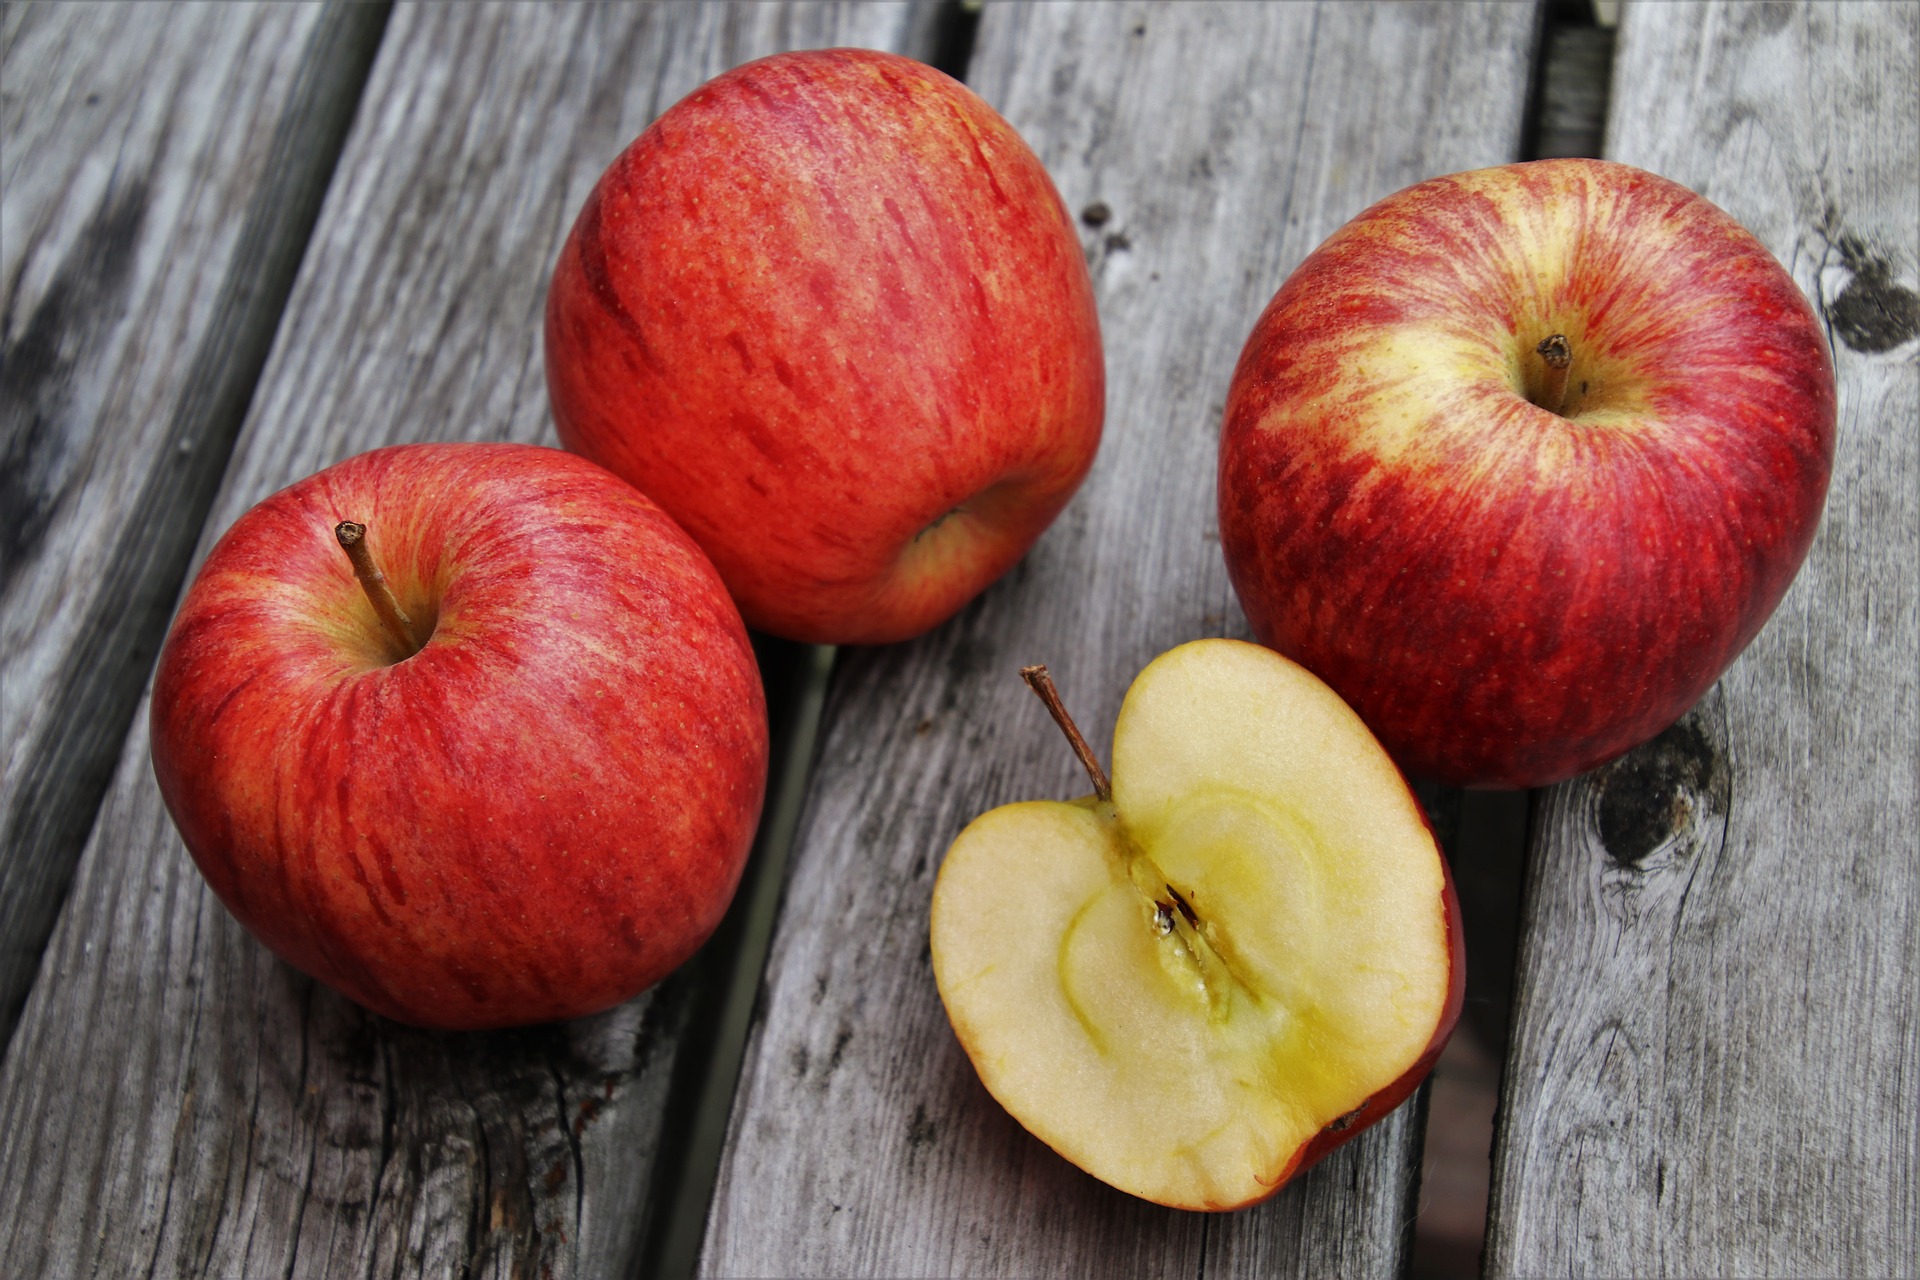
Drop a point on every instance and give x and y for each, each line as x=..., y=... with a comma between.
x=921, y=1132
x=969, y=660
x=1758, y=20
x=38, y=444
x=584, y=1114
x=1872, y=313
x=1652, y=794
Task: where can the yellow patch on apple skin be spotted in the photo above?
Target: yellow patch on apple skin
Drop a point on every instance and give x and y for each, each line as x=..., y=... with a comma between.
x=1178, y=990
x=1430, y=306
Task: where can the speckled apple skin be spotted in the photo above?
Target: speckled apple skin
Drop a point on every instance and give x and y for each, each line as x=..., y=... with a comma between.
x=830, y=313
x=1507, y=596
x=539, y=814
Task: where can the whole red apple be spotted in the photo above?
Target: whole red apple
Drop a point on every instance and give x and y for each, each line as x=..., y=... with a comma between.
x=514, y=782
x=1519, y=460
x=829, y=312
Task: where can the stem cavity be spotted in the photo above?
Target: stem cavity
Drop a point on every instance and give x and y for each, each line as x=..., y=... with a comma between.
x=399, y=627
x=1042, y=684
x=1557, y=352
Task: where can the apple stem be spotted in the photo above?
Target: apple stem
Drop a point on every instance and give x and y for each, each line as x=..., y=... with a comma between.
x=1042, y=684
x=1558, y=354
x=353, y=540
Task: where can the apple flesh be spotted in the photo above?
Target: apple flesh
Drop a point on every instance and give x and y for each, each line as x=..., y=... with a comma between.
x=535, y=806
x=829, y=312
x=1240, y=958
x=1510, y=582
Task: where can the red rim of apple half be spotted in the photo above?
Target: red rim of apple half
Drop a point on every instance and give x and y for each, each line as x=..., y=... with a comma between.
x=1239, y=957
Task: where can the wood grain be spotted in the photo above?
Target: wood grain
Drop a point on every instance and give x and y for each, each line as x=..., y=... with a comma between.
x=163, y=167
x=1204, y=149
x=1715, y=1066
x=175, y=1101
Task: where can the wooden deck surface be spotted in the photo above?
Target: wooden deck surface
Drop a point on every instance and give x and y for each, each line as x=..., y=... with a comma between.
x=240, y=242
x=1716, y=1057
x=861, y=1141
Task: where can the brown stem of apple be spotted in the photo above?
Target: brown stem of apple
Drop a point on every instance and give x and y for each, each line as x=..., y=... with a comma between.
x=1042, y=683
x=1558, y=354
x=353, y=540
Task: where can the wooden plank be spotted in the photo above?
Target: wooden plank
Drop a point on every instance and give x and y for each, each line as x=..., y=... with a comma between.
x=1715, y=1066
x=1222, y=142
x=175, y=1100
x=162, y=169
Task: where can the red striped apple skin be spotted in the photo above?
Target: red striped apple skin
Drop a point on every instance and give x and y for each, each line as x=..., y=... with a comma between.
x=829, y=312
x=1506, y=595
x=540, y=813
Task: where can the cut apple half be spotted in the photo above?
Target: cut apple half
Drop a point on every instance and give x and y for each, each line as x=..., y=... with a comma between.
x=1202, y=978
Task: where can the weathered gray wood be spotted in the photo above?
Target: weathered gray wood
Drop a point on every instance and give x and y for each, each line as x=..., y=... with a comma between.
x=177, y=1102
x=1222, y=142
x=1715, y=1067
x=163, y=165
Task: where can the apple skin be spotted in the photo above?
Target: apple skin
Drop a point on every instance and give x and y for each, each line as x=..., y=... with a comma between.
x=541, y=812
x=1508, y=596
x=830, y=313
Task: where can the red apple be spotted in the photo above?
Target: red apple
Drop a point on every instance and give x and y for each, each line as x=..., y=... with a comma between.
x=829, y=312
x=1513, y=581
x=520, y=788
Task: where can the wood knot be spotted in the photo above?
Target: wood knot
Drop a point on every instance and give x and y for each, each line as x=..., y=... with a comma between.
x=1872, y=313
x=1653, y=793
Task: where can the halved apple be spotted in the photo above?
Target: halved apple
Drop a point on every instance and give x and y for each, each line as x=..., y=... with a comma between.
x=1198, y=981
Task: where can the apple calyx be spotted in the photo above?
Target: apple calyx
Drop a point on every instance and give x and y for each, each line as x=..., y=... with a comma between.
x=352, y=537
x=1557, y=352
